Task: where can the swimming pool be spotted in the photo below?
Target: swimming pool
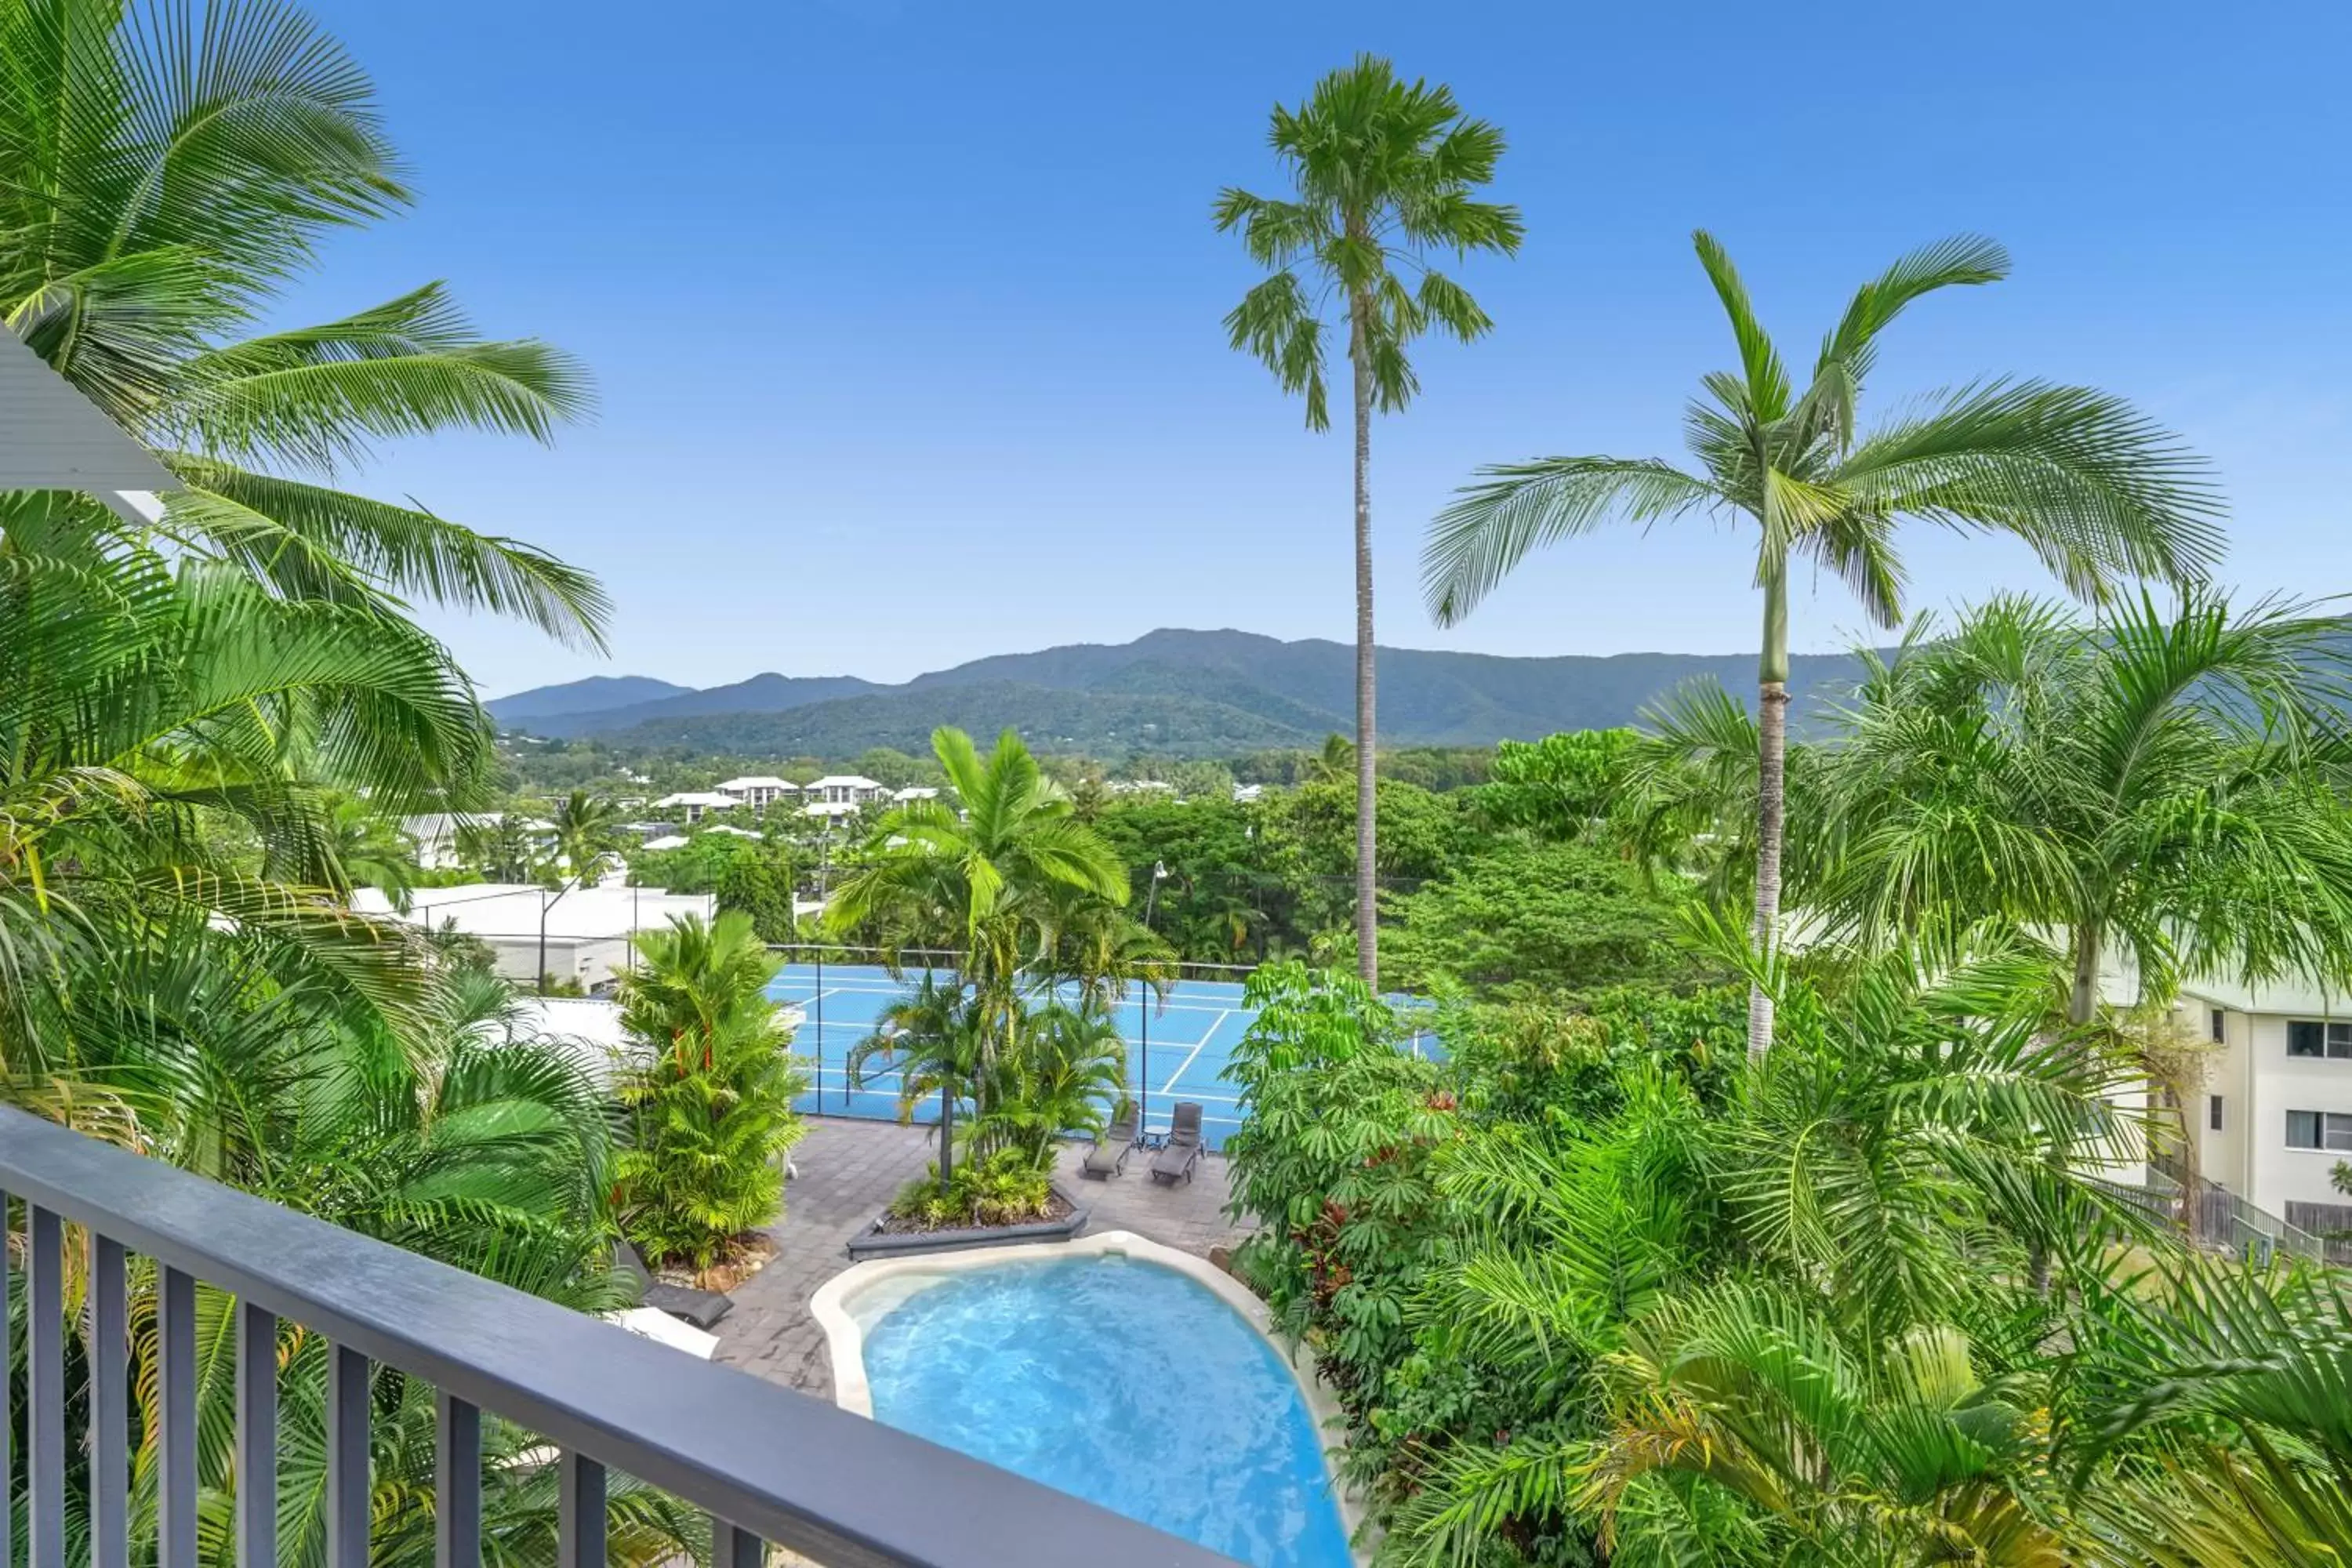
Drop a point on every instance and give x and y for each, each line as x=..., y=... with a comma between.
x=1118, y=1379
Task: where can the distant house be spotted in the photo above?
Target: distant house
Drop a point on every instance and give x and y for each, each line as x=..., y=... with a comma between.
x=735, y=832
x=916, y=791
x=833, y=809
x=758, y=790
x=696, y=802
x=845, y=789
x=1245, y=793
x=667, y=841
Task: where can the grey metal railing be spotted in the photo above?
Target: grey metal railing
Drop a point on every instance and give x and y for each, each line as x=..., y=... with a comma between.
x=769, y=1466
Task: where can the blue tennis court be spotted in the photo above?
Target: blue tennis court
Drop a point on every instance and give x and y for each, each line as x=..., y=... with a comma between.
x=1175, y=1051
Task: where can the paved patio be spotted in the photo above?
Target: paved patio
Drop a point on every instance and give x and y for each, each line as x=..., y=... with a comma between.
x=849, y=1170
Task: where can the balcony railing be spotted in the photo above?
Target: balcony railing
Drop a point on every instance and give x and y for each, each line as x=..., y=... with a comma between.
x=768, y=1465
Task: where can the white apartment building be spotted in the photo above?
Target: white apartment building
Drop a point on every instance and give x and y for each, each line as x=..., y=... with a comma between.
x=757, y=791
x=2274, y=1116
x=696, y=802
x=844, y=789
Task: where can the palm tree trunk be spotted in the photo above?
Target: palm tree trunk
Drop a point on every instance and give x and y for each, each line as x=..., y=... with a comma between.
x=947, y=1134
x=1772, y=780
x=2082, y=1001
x=1368, y=909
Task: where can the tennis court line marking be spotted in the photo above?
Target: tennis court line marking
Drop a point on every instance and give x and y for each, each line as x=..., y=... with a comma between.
x=1193, y=1055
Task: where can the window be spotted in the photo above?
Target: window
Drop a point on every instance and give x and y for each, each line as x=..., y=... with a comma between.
x=2218, y=1020
x=2213, y=1113
x=2319, y=1129
x=2310, y=1037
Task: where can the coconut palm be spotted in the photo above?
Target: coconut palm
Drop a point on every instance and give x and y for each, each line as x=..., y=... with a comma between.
x=586, y=838
x=2091, y=484
x=161, y=185
x=1382, y=174
x=993, y=880
x=2159, y=780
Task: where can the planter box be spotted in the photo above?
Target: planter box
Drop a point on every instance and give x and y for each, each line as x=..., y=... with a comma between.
x=872, y=1242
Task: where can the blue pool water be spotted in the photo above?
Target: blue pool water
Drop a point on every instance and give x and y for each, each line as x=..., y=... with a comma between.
x=1125, y=1384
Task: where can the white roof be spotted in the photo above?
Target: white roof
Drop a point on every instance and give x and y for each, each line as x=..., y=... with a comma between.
x=667, y=841
x=709, y=800
x=512, y=910
x=757, y=781
x=828, y=808
x=734, y=832
x=52, y=437
x=918, y=793
x=847, y=781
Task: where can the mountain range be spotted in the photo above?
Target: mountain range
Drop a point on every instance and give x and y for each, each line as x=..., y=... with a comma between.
x=1199, y=693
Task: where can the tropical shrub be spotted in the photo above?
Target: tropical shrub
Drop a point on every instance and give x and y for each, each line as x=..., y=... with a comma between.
x=710, y=1099
x=1006, y=1187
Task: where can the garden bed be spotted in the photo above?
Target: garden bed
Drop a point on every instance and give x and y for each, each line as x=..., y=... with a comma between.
x=890, y=1237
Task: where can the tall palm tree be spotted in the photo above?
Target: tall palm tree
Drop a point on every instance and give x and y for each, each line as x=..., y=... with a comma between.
x=2090, y=484
x=1382, y=174
x=161, y=183
x=992, y=879
x=586, y=842
x=2162, y=779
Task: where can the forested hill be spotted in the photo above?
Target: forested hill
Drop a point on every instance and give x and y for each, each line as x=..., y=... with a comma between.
x=1188, y=692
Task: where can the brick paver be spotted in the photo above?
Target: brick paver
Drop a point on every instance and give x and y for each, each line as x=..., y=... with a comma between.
x=850, y=1168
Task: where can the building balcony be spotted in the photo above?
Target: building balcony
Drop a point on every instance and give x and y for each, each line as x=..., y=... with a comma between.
x=775, y=1471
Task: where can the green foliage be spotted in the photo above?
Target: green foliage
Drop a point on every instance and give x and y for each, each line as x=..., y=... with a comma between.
x=1599, y=1284
x=2164, y=780
x=1006, y=1187
x=1560, y=786
x=710, y=1103
x=1528, y=920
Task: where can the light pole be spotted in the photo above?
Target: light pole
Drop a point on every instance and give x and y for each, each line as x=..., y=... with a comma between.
x=823, y=866
x=1144, y=1000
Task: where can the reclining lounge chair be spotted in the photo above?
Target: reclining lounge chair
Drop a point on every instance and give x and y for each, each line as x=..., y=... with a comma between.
x=1108, y=1158
x=1183, y=1150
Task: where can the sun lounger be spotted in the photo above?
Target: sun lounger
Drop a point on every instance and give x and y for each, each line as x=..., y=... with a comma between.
x=703, y=1309
x=1182, y=1151
x=1108, y=1158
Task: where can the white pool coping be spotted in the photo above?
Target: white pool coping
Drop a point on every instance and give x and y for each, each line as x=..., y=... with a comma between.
x=844, y=1336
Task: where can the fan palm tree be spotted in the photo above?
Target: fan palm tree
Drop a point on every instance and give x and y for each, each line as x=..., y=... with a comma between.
x=2087, y=483
x=1382, y=174
x=161, y=185
x=2164, y=780
x=994, y=879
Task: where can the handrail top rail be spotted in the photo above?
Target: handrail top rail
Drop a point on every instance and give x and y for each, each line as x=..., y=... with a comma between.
x=793, y=1469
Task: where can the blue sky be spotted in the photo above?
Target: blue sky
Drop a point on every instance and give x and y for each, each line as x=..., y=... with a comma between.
x=905, y=313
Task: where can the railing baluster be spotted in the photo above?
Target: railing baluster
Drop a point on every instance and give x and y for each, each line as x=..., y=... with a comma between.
x=347, y=1459
x=44, y=1419
x=110, y=1408
x=456, y=1483
x=7, y=1416
x=581, y=1518
x=257, y=1437
x=733, y=1548
x=175, y=1309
